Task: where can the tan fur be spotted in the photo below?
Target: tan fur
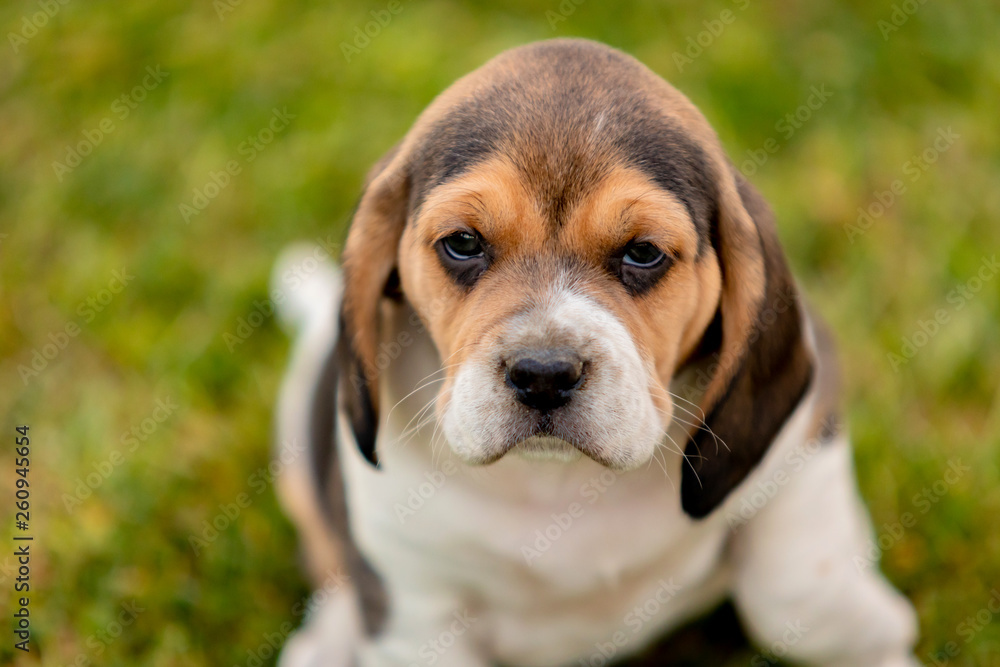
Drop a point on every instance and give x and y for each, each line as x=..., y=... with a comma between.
x=493, y=200
x=545, y=193
x=558, y=156
x=321, y=548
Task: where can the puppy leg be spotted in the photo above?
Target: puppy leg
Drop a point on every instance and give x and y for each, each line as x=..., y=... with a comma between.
x=803, y=584
x=330, y=636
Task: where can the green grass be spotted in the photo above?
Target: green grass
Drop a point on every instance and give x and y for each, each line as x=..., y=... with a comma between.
x=162, y=337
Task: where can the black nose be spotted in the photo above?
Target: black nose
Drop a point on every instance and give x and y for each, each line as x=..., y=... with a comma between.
x=545, y=381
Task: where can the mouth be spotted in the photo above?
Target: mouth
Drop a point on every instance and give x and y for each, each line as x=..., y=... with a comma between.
x=546, y=448
x=558, y=438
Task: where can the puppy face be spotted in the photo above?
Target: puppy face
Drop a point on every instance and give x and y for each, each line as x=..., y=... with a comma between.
x=559, y=335
x=567, y=228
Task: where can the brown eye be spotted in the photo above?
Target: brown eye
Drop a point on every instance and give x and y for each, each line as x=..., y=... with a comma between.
x=464, y=256
x=639, y=266
x=643, y=255
x=462, y=246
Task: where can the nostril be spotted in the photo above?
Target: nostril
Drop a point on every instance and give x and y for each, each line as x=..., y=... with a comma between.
x=525, y=372
x=565, y=374
x=545, y=382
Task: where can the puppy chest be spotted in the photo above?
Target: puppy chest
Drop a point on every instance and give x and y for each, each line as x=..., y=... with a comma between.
x=516, y=540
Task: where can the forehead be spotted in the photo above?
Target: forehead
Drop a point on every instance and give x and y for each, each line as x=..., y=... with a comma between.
x=565, y=116
x=494, y=198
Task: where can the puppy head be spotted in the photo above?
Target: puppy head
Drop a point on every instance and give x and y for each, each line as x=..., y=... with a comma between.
x=570, y=233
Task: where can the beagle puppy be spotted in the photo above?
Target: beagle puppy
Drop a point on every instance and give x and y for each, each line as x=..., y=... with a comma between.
x=564, y=395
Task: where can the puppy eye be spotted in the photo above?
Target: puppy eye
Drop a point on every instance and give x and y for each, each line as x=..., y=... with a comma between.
x=639, y=266
x=643, y=255
x=463, y=245
x=463, y=254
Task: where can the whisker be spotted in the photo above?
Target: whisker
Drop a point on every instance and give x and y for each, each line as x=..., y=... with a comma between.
x=697, y=407
x=425, y=381
x=699, y=424
x=704, y=427
x=422, y=417
x=663, y=466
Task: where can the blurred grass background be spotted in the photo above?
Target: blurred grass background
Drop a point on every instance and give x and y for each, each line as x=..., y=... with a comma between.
x=897, y=73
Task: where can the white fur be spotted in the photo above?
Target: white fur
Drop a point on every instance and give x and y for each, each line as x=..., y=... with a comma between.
x=459, y=551
x=614, y=415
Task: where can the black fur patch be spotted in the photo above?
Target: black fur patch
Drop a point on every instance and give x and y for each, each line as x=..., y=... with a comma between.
x=329, y=481
x=773, y=375
x=567, y=118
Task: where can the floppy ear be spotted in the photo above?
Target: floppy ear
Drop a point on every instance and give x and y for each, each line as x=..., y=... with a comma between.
x=329, y=479
x=763, y=366
x=370, y=273
x=349, y=370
